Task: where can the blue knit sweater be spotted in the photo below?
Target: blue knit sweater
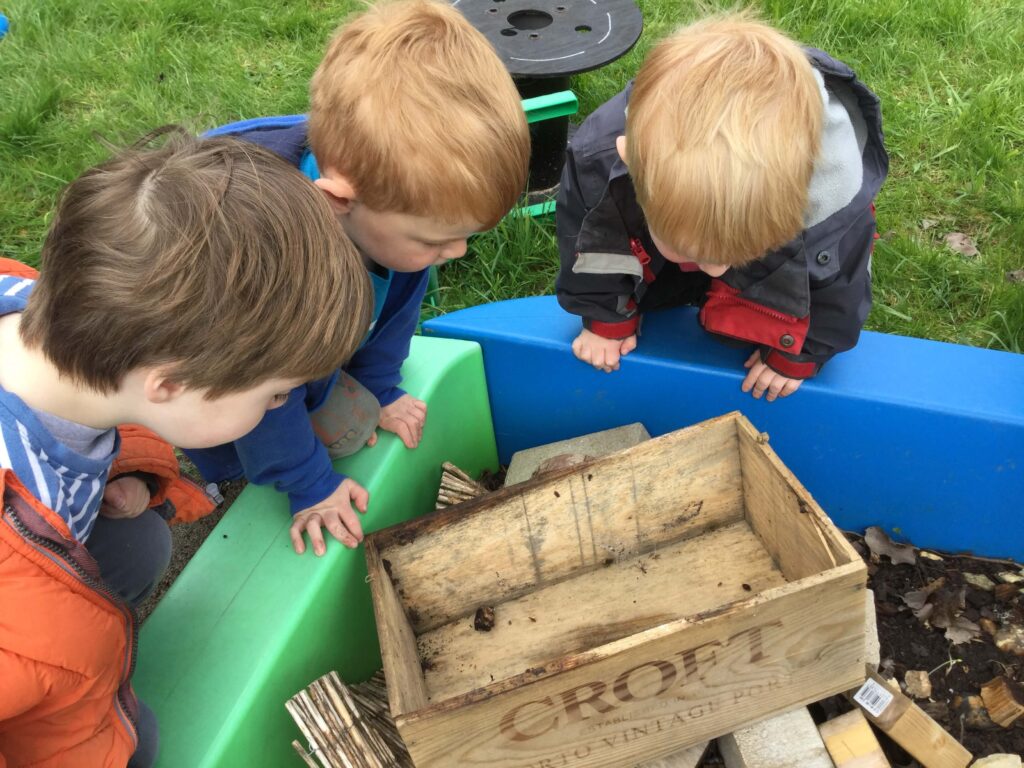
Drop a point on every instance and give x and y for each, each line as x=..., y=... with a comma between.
x=282, y=450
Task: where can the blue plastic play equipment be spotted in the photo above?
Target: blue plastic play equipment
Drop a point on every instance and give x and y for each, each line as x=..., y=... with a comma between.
x=923, y=438
x=5, y=25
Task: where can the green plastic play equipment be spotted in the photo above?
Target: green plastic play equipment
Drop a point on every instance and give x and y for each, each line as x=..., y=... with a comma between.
x=249, y=623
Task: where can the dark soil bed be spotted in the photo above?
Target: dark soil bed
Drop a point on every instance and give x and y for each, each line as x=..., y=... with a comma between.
x=956, y=671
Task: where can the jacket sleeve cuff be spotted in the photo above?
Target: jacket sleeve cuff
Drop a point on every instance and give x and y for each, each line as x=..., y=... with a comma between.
x=620, y=330
x=387, y=397
x=787, y=366
x=307, y=497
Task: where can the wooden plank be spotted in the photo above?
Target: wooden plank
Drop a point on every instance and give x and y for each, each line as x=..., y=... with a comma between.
x=794, y=529
x=910, y=727
x=660, y=691
x=851, y=743
x=789, y=739
x=626, y=598
x=872, y=647
x=493, y=549
x=406, y=689
x=684, y=758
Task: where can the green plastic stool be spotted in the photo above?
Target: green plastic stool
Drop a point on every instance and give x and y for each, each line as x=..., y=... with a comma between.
x=249, y=623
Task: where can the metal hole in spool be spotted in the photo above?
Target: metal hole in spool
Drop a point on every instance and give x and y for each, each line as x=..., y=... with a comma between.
x=530, y=19
x=509, y=32
x=583, y=29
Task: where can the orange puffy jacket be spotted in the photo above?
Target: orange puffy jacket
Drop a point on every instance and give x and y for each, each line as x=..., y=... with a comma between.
x=67, y=646
x=143, y=451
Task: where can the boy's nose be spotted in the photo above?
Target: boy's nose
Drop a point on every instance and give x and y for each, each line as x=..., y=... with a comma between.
x=454, y=250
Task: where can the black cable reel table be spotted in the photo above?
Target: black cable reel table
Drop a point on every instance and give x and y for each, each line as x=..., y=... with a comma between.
x=543, y=43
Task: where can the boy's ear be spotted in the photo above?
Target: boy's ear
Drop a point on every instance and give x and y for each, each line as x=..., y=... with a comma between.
x=159, y=387
x=339, y=190
x=620, y=147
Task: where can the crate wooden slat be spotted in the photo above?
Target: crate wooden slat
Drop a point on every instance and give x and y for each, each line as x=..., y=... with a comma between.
x=644, y=601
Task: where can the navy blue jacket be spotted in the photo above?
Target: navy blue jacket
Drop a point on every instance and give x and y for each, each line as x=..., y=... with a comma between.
x=800, y=304
x=282, y=450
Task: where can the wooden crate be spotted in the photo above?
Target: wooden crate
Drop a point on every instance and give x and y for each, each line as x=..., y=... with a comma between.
x=644, y=601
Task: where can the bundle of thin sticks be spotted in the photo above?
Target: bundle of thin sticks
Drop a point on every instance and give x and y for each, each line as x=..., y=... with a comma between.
x=347, y=727
x=456, y=487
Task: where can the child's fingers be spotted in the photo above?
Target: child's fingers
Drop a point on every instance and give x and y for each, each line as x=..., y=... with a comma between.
x=761, y=385
x=114, y=495
x=577, y=348
x=295, y=532
x=339, y=530
x=627, y=346
x=372, y=440
x=791, y=386
x=405, y=431
x=360, y=497
x=755, y=357
x=775, y=387
x=354, y=530
x=316, y=536
x=751, y=377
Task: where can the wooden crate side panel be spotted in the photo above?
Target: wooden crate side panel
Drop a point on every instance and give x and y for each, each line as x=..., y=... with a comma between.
x=545, y=531
x=659, y=692
x=794, y=529
x=628, y=597
x=406, y=689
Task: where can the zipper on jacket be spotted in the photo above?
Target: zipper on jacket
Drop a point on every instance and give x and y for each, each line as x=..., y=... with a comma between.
x=643, y=257
x=97, y=586
x=761, y=308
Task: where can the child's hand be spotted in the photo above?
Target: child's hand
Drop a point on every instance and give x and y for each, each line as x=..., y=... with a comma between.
x=405, y=417
x=334, y=513
x=600, y=352
x=761, y=379
x=123, y=497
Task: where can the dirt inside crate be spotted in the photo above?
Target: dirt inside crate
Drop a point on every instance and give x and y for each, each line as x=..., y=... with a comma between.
x=574, y=615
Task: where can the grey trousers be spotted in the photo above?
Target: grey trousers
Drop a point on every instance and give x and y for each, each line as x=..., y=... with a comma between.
x=133, y=554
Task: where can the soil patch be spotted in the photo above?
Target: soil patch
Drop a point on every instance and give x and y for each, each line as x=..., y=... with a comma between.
x=186, y=538
x=956, y=670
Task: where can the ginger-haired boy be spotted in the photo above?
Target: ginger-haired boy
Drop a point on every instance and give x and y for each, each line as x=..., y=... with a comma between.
x=417, y=137
x=184, y=289
x=737, y=172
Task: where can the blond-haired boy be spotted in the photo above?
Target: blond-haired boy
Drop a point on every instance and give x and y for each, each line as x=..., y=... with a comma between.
x=185, y=290
x=736, y=172
x=417, y=137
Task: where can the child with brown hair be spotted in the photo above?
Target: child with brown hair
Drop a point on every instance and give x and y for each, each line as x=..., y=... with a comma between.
x=737, y=172
x=184, y=290
x=417, y=138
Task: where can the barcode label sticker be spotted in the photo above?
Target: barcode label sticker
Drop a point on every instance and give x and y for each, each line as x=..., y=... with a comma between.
x=873, y=697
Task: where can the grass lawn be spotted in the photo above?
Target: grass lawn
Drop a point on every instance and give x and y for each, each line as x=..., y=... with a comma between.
x=948, y=71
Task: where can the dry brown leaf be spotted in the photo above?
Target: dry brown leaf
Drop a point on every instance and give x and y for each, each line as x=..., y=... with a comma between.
x=881, y=544
x=962, y=630
x=917, y=598
x=948, y=604
x=1015, y=276
x=927, y=224
x=962, y=244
